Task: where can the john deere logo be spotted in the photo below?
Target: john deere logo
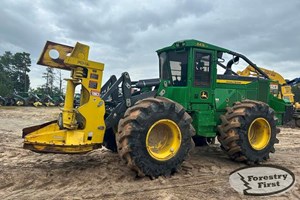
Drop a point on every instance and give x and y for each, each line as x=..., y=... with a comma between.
x=204, y=95
x=261, y=180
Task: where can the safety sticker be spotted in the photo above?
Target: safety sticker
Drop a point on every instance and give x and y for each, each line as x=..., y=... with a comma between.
x=95, y=93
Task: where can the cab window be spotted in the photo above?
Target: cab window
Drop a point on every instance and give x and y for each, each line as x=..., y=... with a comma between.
x=173, y=66
x=202, y=68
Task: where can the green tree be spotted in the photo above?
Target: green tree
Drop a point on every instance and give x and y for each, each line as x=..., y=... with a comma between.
x=49, y=88
x=21, y=63
x=14, y=70
x=6, y=85
x=49, y=76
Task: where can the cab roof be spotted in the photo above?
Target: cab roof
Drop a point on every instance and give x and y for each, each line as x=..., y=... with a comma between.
x=192, y=43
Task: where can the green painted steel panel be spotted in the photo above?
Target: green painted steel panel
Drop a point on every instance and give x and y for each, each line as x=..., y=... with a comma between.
x=204, y=123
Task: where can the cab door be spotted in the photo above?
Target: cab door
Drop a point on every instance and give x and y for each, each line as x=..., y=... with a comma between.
x=203, y=78
x=202, y=93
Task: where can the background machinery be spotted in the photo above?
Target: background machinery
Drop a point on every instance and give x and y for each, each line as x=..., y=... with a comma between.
x=152, y=123
x=285, y=89
x=59, y=100
x=2, y=101
x=282, y=91
x=293, y=82
x=23, y=99
x=47, y=100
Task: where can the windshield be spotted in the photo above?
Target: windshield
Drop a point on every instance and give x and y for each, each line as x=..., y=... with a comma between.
x=173, y=67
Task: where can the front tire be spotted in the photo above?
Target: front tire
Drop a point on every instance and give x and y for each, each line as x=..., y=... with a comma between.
x=248, y=131
x=154, y=137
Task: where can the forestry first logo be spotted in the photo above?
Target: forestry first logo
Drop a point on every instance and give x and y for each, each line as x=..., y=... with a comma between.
x=261, y=180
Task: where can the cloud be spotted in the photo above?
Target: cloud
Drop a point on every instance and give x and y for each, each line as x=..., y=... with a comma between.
x=125, y=34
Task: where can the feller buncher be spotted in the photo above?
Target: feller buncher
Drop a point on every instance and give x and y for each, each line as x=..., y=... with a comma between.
x=152, y=123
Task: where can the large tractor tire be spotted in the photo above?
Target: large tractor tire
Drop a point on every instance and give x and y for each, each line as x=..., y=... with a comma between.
x=154, y=137
x=248, y=131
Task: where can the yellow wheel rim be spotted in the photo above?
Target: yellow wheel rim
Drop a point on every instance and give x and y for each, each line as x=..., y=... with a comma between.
x=259, y=133
x=163, y=139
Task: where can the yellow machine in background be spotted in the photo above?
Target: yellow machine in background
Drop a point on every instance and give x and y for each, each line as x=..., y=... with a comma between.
x=77, y=130
x=285, y=89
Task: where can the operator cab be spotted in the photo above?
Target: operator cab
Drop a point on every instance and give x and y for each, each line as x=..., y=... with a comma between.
x=174, y=66
x=204, y=60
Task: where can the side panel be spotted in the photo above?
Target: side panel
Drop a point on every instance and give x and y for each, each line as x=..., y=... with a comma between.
x=227, y=94
x=179, y=94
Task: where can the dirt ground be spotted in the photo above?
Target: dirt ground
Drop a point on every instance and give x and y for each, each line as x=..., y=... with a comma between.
x=102, y=175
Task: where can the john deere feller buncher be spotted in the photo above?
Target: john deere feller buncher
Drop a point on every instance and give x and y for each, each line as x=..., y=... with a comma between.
x=152, y=123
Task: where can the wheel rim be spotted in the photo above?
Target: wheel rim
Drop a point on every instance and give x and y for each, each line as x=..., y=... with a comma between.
x=259, y=133
x=163, y=139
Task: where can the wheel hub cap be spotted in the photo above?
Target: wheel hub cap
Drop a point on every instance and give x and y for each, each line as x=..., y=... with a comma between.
x=259, y=133
x=163, y=139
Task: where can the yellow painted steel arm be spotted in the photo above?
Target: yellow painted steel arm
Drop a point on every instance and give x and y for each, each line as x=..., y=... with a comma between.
x=272, y=74
x=77, y=130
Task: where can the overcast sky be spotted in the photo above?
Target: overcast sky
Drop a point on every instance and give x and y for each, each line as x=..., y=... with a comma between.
x=125, y=34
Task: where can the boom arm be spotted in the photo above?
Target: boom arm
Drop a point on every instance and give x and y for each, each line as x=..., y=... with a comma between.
x=271, y=74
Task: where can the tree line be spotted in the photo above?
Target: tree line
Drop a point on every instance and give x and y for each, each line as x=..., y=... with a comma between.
x=14, y=69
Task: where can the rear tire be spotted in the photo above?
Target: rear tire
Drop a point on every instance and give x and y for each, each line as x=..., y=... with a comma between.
x=154, y=137
x=248, y=131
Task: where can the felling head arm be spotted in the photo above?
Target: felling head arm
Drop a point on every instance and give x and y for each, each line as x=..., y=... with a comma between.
x=80, y=129
x=54, y=55
x=66, y=57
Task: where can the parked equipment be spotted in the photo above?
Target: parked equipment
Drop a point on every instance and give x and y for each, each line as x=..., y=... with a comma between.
x=28, y=99
x=47, y=100
x=59, y=100
x=294, y=81
x=151, y=123
x=2, y=101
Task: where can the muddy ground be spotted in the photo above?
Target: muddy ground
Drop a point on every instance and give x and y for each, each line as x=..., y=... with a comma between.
x=102, y=175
